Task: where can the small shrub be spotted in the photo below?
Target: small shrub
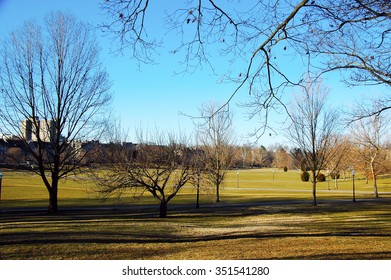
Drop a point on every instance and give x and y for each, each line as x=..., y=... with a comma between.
x=321, y=177
x=305, y=176
x=285, y=169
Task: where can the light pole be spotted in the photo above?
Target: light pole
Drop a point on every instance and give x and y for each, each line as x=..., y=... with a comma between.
x=354, y=191
x=1, y=179
x=274, y=172
x=328, y=179
x=237, y=173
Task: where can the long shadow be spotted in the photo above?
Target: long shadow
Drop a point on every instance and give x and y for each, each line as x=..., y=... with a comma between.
x=183, y=212
x=218, y=209
x=385, y=255
x=116, y=238
x=180, y=212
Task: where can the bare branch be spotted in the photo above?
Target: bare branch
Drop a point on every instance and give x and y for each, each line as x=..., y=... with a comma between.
x=351, y=37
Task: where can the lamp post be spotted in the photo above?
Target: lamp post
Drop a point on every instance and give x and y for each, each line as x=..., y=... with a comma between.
x=354, y=191
x=328, y=179
x=237, y=173
x=274, y=172
x=1, y=179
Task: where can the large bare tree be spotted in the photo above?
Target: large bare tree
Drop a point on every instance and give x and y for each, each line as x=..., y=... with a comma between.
x=341, y=160
x=53, y=93
x=370, y=139
x=215, y=135
x=160, y=167
x=314, y=129
x=257, y=37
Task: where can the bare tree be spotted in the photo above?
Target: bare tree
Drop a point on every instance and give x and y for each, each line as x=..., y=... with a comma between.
x=298, y=159
x=351, y=37
x=215, y=134
x=369, y=136
x=53, y=92
x=264, y=157
x=161, y=167
x=199, y=175
x=313, y=129
x=281, y=157
x=247, y=156
x=340, y=159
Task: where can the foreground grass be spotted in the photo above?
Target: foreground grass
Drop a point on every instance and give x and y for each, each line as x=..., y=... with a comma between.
x=335, y=230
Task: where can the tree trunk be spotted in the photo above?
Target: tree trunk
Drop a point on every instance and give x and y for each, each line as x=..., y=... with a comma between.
x=218, y=181
x=218, y=193
x=163, y=209
x=53, y=206
x=314, y=203
x=198, y=196
x=53, y=191
x=375, y=190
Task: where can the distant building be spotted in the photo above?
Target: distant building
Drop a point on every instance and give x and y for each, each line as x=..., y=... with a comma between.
x=47, y=130
x=32, y=129
x=15, y=151
x=26, y=128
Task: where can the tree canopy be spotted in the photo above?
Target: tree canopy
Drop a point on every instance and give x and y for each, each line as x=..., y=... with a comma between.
x=351, y=37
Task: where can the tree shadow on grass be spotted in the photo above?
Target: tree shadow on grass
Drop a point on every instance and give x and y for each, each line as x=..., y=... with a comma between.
x=99, y=245
x=383, y=255
x=113, y=226
x=110, y=237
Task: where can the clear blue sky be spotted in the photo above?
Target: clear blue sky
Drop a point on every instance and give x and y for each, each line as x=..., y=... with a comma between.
x=153, y=95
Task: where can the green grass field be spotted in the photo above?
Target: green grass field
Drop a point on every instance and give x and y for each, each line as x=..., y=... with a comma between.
x=258, y=218
x=24, y=189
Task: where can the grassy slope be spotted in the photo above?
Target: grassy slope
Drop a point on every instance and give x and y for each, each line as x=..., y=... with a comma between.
x=262, y=230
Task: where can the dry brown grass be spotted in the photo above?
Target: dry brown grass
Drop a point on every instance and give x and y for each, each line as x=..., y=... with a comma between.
x=334, y=230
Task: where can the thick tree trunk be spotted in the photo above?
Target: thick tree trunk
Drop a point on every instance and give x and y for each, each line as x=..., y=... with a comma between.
x=218, y=193
x=53, y=206
x=163, y=209
x=53, y=194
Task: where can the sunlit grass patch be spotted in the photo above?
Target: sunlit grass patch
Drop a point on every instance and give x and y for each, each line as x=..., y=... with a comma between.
x=25, y=189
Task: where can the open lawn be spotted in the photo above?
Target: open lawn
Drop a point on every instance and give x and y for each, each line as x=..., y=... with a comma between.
x=257, y=219
x=24, y=189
